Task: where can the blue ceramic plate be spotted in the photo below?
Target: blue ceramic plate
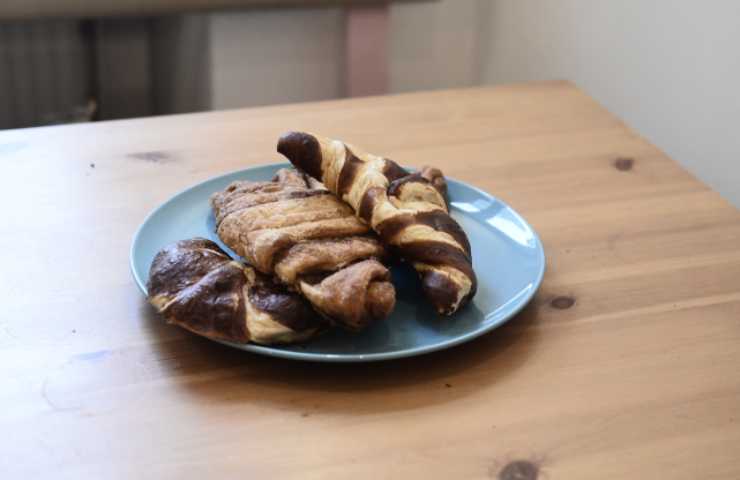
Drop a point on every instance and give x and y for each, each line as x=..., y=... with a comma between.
x=507, y=257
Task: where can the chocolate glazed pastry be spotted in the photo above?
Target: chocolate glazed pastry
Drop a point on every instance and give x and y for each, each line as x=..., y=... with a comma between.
x=196, y=285
x=294, y=228
x=408, y=211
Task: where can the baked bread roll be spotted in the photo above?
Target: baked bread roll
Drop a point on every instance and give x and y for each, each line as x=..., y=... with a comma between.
x=196, y=285
x=295, y=229
x=408, y=211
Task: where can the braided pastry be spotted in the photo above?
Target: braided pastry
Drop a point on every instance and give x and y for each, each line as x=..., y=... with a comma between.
x=197, y=286
x=294, y=228
x=408, y=211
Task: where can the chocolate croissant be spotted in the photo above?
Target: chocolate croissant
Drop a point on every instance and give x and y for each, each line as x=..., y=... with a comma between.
x=408, y=211
x=197, y=286
x=296, y=229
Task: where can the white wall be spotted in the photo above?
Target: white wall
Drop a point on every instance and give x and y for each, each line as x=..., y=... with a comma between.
x=669, y=68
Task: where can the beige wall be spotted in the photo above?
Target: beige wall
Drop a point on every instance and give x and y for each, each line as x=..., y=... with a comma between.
x=435, y=45
x=278, y=56
x=669, y=68
x=261, y=57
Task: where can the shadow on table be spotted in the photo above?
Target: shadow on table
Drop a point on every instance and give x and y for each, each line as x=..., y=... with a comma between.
x=222, y=374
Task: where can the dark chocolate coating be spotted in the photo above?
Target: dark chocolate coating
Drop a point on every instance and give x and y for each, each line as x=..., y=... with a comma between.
x=209, y=307
x=180, y=265
x=349, y=171
x=367, y=204
x=393, y=171
x=438, y=288
x=199, y=280
x=305, y=149
x=285, y=307
x=436, y=219
x=199, y=287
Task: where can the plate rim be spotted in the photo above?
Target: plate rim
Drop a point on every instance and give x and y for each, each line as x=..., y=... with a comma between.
x=356, y=357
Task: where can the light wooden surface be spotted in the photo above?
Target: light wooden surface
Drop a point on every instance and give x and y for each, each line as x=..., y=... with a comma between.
x=626, y=364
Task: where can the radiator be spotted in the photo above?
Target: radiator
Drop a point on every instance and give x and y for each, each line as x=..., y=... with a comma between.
x=61, y=71
x=45, y=73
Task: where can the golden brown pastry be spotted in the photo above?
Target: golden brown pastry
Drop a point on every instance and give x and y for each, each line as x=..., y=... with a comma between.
x=408, y=211
x=197, y=286
x=296, y=229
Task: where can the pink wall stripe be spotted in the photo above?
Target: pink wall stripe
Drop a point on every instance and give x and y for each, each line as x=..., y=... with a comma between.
x=367, y=50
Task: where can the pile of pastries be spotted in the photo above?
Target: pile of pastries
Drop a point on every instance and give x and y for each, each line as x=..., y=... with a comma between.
x=314, y=245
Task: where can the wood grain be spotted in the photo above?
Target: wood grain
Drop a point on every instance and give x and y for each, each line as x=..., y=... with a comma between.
x=625, y=365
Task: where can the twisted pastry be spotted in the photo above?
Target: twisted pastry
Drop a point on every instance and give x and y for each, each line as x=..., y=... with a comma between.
x=294, y=228
x=195, y=285
x=408, y=211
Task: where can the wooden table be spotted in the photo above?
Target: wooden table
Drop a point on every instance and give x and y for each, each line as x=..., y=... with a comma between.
x=625, y=365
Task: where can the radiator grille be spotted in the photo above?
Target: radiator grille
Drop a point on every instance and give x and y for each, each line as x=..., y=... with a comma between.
x=44, y=73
